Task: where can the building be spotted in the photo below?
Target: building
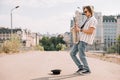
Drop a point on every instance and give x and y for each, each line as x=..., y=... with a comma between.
x=28, y=38
x=5, y=33
x=98, y=42
x=50, y=35
x=111, y=28
x=118, y=25
x=67, y=38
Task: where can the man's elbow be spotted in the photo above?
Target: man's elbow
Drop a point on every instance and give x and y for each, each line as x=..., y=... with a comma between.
x=90, y=32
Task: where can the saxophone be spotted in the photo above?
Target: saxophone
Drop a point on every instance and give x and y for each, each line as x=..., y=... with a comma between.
x=76, y=21
x=75, y=34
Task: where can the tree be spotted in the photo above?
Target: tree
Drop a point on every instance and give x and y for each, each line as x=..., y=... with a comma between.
x=52, y=44
x=60, y=40
x=53, y=41
x=45, y=43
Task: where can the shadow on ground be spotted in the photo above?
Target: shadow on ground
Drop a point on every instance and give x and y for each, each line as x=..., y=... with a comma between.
x=58, y=77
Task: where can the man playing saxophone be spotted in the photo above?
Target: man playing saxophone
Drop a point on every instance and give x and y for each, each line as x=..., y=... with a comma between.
x=87, y=34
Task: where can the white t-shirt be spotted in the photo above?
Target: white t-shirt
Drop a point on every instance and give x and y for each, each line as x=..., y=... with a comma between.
x=88, y=38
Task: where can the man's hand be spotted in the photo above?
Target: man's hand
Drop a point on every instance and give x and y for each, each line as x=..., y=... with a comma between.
x=77, y=29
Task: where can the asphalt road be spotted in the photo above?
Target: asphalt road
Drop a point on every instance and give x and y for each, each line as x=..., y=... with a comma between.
x=37, y=66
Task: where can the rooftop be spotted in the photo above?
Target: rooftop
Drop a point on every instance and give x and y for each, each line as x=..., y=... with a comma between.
x=109, y=19
x=7, y=30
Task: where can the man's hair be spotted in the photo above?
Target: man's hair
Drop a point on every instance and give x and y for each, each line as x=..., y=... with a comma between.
x=89, y=8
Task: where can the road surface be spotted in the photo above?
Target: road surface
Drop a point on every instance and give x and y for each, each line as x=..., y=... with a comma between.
x=37, y=66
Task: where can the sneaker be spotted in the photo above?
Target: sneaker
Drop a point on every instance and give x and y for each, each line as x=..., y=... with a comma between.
x=86, y=72
x=79, y=70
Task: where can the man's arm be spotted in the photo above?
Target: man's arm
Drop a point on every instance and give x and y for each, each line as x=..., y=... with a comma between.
x=89, y=30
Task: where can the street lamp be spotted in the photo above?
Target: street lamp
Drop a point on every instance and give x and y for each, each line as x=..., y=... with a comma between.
x=11, y=18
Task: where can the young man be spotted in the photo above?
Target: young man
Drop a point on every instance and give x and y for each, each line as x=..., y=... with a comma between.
x=87, y=35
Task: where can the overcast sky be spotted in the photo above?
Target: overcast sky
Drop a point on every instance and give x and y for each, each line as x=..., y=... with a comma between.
x=51, y=16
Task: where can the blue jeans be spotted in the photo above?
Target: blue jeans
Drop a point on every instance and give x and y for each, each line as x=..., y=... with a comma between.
x=80, y=47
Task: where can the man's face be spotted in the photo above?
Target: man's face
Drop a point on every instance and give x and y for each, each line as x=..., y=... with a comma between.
x=87, y=13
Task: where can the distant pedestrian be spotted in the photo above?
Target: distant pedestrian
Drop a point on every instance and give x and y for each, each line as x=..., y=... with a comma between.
x=87, y=34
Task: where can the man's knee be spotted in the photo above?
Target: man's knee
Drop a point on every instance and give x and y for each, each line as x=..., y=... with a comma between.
x=82, y=56
x=72, y=53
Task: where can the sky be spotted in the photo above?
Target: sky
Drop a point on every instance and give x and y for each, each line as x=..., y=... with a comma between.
x=50, y=16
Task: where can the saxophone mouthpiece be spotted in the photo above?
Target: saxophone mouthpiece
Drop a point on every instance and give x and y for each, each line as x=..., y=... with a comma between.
x=83, y=13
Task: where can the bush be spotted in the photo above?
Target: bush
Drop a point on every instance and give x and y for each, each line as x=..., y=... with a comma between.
x=11, y=45
x=6, y=47
x=60, y=47
x=1, y=50
x=38, y=47
x=63, y=47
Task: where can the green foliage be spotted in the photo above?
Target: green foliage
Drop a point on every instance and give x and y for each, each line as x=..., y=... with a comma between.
x=63, y=47
x=116, y=47
x=45, y=43
x=111, y=49
x=50, y=44
x=60, y=47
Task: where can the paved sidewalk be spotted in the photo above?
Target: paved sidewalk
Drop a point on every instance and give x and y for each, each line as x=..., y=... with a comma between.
x=37, y=66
